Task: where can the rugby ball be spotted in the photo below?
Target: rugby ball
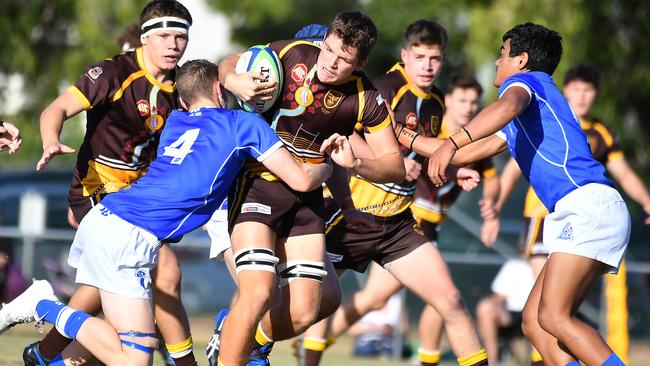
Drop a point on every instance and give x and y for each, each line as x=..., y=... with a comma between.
x=261, y=59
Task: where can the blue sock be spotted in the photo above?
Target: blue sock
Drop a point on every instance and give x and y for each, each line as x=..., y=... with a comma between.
x=573, y=363
x=57, y=361
x=66, y=320
x=613, y=360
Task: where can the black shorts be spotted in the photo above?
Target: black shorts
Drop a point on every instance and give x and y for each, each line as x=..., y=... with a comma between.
x=394, y=238
x=285, y=211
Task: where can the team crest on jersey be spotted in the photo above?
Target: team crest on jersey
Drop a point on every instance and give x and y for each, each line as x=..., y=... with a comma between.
x=299, y=72
x=332, y=99
x=154, y=122
x=411, y=121
x=95, y=72
x=143, y=107
x=435, y=126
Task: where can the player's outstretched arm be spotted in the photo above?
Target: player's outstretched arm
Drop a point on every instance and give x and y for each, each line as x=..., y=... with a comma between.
x=631, y=184
x=10, y=138
x=51, y=124
x=300, y=177
x=490, y=120
x=247, y=85
x=507, y=181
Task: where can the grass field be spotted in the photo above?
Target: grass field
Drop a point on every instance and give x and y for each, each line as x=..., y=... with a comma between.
x=12, y=343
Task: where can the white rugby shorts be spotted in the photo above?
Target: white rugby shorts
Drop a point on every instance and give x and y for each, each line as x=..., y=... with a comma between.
x=217, y=228
x=114, y=255
x=591, y=221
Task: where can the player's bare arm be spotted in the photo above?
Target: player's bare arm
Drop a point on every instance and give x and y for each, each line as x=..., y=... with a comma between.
x=387, y=166
x=301, y=177
x=486, y=123
x=51, y=124
x=247, y=85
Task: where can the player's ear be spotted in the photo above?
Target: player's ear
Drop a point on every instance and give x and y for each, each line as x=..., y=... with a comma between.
x=522, y=60
x=183, y=104
x=404, y=53
x=219, y=95
x=361, y=64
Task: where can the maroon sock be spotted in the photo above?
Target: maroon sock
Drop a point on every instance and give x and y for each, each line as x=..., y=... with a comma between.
x=53, y=344
x=312, y=358
x=187, y=360
x=422, y=363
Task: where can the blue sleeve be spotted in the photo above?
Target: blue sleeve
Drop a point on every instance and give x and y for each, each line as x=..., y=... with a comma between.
x=255, y=138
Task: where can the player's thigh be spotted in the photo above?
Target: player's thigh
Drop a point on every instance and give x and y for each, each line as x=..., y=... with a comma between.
x=133, y=320
x=168, y=271
x=567, y=279
x=381, y=284
x=425, y=272
x=252, y=234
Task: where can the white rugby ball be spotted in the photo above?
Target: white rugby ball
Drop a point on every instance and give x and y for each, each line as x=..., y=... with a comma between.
x=261, y=59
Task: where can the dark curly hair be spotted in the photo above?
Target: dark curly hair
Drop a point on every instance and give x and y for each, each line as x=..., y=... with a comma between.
x=583, y=72
x=426, y=32
x=355, y=30
x=543, y=46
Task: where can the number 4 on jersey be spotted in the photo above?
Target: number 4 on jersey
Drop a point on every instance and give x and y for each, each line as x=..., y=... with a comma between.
x=179, y=149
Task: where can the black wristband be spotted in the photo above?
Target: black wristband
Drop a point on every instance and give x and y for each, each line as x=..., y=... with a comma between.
x=468, y=135
x=412, y=141
x=454, y=142
x=2, y=123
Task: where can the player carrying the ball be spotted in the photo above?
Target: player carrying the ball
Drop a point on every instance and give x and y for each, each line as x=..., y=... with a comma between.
x=323, y=92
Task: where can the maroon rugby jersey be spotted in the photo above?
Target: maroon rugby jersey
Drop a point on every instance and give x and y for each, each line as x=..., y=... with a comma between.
x=419, y=111
x=307, y=111
x=126, y=111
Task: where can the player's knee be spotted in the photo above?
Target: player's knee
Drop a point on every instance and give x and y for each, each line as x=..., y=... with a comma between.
x=140, y=342
x=450, y=303
x=303, y=316
x=551, y=320
x=529, y=323
x=330, y=299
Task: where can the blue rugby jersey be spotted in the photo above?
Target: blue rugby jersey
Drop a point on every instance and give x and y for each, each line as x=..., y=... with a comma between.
x=547, y=141
x=199, y=156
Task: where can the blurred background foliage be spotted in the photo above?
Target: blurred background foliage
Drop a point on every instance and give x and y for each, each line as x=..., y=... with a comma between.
x=50, y=42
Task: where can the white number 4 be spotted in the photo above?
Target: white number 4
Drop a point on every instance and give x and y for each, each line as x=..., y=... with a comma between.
x=179, y=149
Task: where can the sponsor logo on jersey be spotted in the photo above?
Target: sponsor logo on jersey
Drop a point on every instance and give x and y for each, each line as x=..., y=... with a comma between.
x=332, y=99
x=411, y=121
x=335, y=258
x=143, y=107
x=95, y=72
x=304, y=96
x=299, y=72
x=252, y=207
x=154, y=122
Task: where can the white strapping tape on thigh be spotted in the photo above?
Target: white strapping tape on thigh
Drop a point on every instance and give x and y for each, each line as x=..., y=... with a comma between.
x=301, y=269
x=255, y=259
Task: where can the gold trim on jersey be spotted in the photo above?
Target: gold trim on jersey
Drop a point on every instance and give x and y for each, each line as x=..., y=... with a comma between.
x=293, y=44
x=362, y=100
x=81, y=97
x=607, y=136
x=533, y=206
x=427, y=211
x=125, y=84
x=382, y=200
x=164, y=87
x=102, y=178
x=412, y=87
x=381, y=126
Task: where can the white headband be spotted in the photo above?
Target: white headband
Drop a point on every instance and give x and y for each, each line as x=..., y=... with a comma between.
x=164, y=23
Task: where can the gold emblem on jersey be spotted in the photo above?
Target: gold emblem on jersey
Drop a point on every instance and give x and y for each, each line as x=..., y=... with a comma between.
x=154, y=122
x=435, y=126
x=304, y=96
x=411, y=121
x=332, y=99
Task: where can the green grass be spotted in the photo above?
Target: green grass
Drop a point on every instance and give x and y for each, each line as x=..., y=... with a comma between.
x=13, y=341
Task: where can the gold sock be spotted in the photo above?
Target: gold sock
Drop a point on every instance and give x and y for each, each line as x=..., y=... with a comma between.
x=477, y=358
x=260, y=337
x=429, y=357
x=179, y=350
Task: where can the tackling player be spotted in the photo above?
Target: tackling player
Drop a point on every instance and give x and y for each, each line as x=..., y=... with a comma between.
x=127, y=100
x=116, y=246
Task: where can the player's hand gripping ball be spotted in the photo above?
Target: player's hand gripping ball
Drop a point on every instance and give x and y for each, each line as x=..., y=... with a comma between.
x=263, y=60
